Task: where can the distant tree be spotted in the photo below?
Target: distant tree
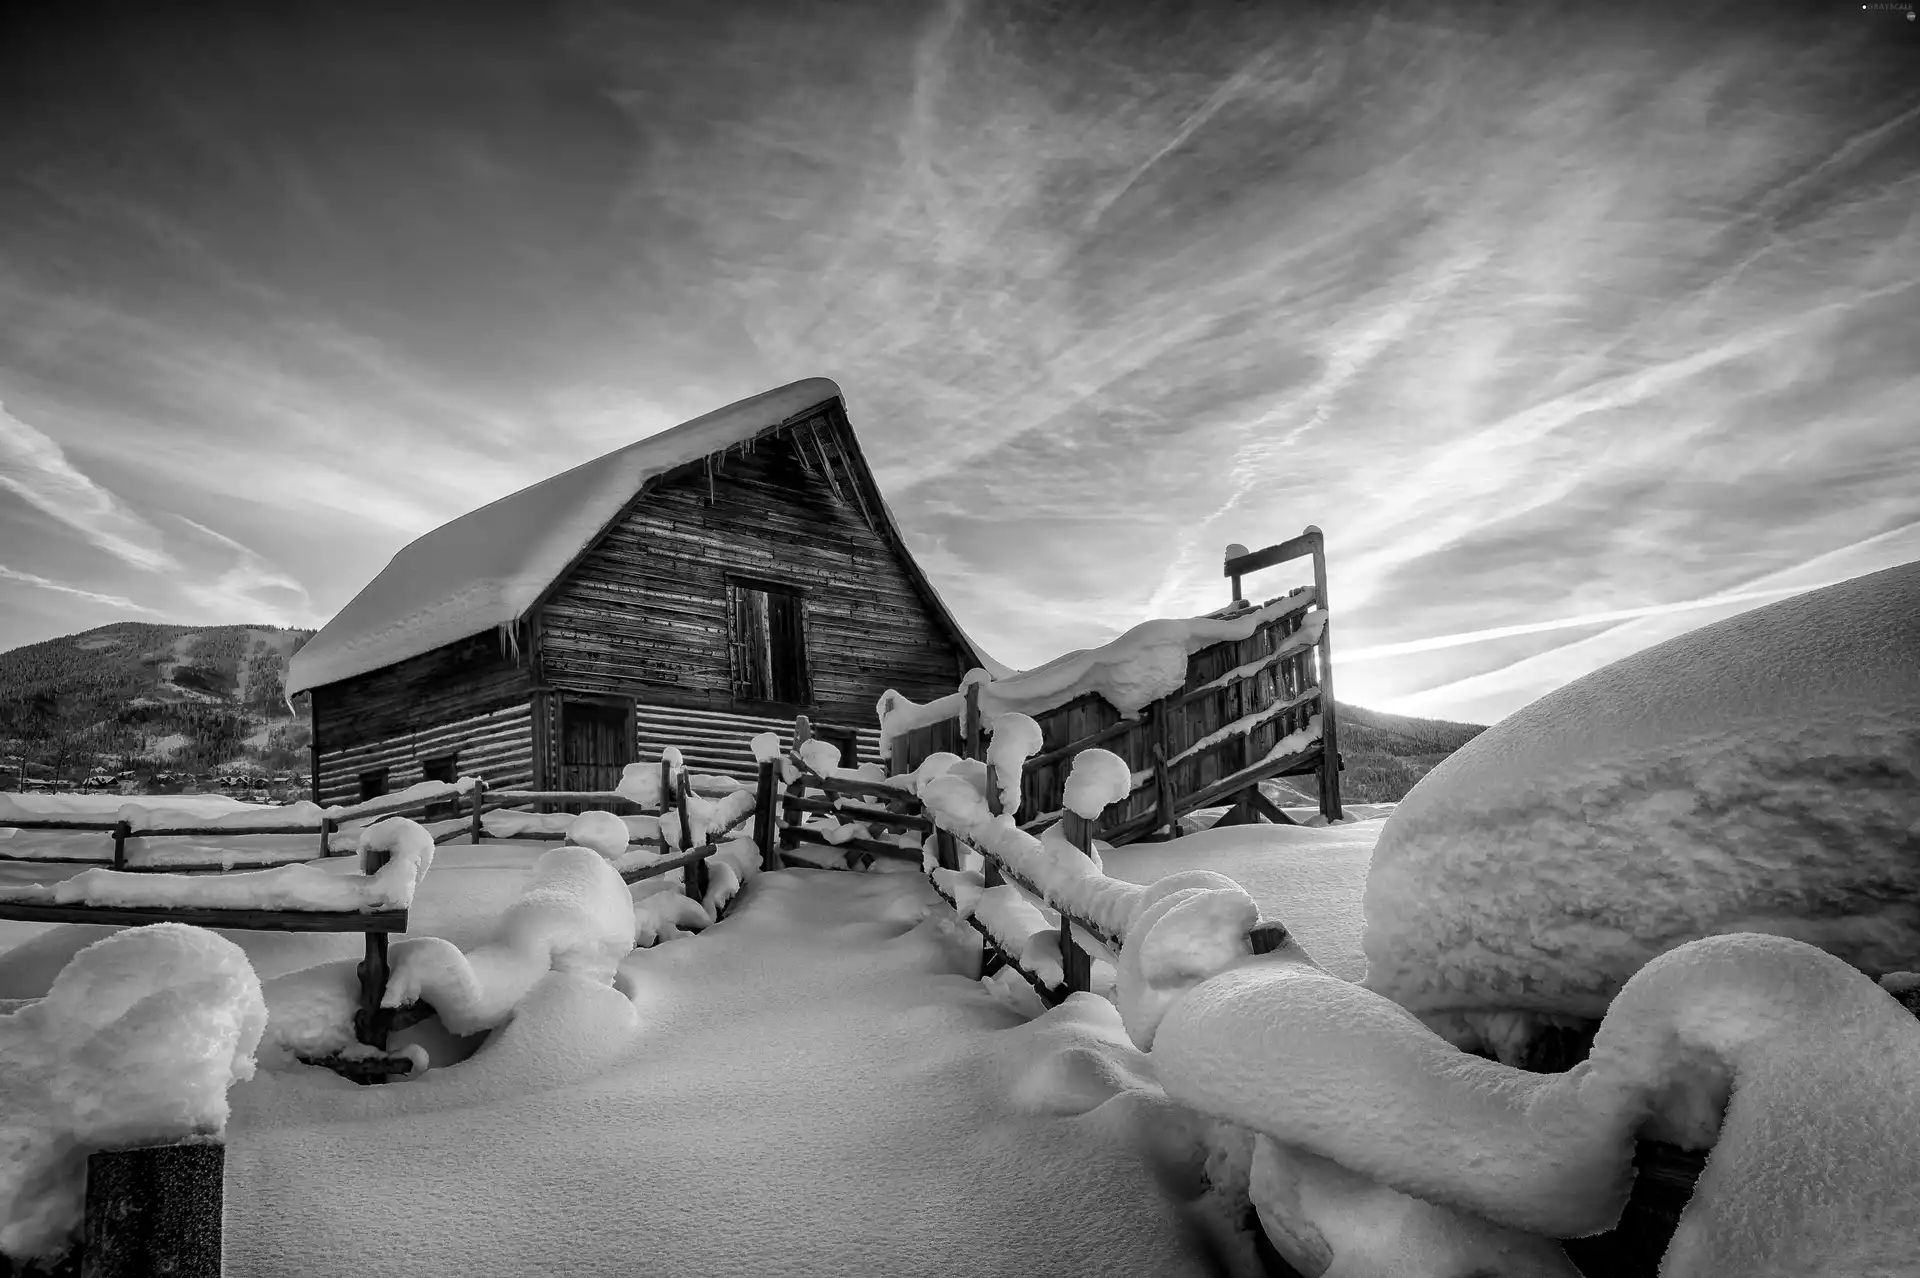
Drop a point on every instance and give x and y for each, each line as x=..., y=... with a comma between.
x=54, y=723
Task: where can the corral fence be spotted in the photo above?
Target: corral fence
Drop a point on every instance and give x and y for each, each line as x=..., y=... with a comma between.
x=1248, y=711
x=373, y=1023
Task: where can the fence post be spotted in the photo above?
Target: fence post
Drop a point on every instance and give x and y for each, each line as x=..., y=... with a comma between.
x=1169, y=815
x=764, y=818
x=370, y=1021
x=1329, y=729
x=790, y=816
x=1076, y=965
x=326, y=833
x=154, y=1210
x=479, y=807
x=973, y=721
x=694, y=880
x=121, y=831
x=990, y=875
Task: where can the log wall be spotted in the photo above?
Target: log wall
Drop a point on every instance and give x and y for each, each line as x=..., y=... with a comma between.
x=452, y=683
x=497, y=745
x=645, y=613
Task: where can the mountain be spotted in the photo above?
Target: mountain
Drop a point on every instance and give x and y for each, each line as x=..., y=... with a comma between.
x=133, y=696
x=1384, y=753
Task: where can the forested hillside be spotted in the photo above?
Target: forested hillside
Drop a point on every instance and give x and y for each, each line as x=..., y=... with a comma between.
x=134, y=695
x=1385, y=755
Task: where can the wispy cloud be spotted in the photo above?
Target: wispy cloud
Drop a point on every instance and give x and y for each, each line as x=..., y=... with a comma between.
x=236, y=591
x=34, y=467
x=118, y=602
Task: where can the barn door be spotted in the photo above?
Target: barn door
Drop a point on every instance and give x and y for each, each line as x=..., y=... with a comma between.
x=596, y=743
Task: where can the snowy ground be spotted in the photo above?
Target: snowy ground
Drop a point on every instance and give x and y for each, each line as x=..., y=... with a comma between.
x=815, y=1085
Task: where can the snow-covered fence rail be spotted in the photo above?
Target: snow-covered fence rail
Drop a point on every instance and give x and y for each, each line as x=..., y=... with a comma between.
x=141, y=821
x=1022, y=878
x=848, y=808
x=1202, y=710
x=289, y=898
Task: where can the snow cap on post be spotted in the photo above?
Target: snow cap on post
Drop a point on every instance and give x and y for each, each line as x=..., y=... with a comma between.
x=1097, y=780
x=1016, y=738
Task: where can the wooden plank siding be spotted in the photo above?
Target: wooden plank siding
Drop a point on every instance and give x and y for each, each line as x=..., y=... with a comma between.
x=716, y=742
x=399, y=714
x=644, y=614
x=497, y=745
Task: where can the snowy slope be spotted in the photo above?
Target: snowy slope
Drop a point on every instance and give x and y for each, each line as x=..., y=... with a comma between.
x=1758, y=774
x=812, y=1087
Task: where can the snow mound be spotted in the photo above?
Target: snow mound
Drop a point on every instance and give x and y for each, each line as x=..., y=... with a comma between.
x=575, y=916
x=1016, y=738
x=604, y=832
x=136, y=1043
x=1758, y=774
x=1807, y=1059
x=1097, y=779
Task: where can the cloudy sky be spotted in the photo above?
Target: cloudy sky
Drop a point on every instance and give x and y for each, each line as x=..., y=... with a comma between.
x=1574, y=326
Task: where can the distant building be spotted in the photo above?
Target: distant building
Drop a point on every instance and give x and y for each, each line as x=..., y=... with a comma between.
x=693, y=589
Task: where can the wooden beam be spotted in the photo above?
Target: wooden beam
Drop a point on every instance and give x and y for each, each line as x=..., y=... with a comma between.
x=801, y=834
x=1260, y=803
x=243, y=920
x=1291, y=548
x=875, y=816
x=691, y=856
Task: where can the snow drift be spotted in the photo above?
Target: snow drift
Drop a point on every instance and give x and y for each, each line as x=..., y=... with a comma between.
x=1794, y=1068
x=1759, y=774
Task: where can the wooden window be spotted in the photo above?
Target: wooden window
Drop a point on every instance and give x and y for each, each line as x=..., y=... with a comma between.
x=373, y=784
x=769, y=643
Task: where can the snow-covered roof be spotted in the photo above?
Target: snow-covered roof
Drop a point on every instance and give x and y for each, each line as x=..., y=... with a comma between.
x=488, y=567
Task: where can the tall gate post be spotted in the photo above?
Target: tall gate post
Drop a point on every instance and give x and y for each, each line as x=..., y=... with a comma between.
x=1329, y=717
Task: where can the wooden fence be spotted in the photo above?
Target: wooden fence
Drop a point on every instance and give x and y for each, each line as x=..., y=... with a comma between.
x=1249, y=710
x=121, y=832
x=373, y=1023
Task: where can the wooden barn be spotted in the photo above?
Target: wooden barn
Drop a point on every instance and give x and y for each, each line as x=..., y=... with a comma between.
x=693, y=589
